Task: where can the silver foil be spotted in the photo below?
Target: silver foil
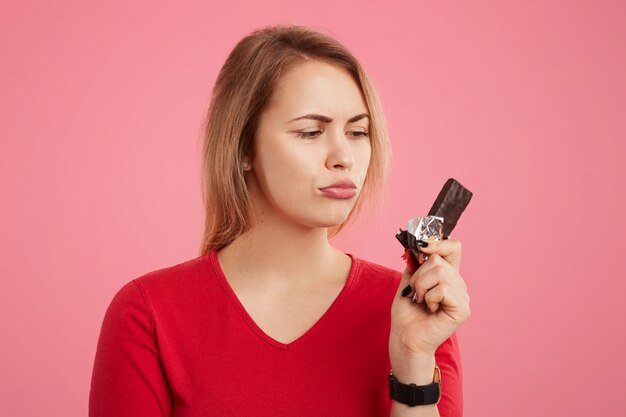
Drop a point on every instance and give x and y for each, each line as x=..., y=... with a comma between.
x=425, y=227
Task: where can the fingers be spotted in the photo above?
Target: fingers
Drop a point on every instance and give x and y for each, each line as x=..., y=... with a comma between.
x=452, y=300
x=454, y=303
x=434, y=272
x=440, y=265
x=434, y=298
x=422, y=286
x=404, y=287
x=443, y=295
x=448, y=249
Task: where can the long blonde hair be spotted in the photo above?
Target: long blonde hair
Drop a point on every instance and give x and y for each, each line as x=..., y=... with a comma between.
x=243, y=87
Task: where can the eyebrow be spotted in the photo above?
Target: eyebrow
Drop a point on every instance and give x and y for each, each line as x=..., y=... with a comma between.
x=327, y=119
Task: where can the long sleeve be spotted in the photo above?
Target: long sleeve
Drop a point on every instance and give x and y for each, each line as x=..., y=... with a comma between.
x=128, y=378
x=448, y=358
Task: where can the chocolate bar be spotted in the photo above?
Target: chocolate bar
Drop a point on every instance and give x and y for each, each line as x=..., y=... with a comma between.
x=449, y=205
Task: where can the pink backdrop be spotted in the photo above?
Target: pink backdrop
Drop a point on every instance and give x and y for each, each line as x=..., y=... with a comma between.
x=523, y=102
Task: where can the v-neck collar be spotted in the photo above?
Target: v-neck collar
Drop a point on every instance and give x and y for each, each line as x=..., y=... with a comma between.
x=219, y=273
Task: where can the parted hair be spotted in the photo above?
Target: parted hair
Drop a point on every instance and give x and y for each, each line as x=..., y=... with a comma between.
x=243, y=88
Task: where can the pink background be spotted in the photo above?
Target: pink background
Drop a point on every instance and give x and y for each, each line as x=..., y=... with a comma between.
x=523, y=102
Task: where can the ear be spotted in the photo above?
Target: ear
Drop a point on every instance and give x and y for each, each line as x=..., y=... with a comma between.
x=246, y=165
x=247, y=158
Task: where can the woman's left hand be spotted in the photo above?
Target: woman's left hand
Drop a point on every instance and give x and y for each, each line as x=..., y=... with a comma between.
x=416, y=332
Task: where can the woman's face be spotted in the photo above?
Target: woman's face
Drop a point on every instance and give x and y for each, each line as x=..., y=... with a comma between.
x=312, y=134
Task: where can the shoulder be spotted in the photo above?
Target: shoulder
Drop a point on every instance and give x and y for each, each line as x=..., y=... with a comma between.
x=376, y=279
x=174, y=276
x=373, y=271
x=372, y=291
x=168, y=285
x=183, y=271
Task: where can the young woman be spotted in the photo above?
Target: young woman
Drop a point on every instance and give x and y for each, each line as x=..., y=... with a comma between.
x=270, y=319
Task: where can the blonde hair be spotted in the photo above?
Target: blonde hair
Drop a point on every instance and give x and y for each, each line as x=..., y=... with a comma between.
x=242, y=90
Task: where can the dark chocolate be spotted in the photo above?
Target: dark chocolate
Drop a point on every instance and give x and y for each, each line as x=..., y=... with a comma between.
x=450, y=204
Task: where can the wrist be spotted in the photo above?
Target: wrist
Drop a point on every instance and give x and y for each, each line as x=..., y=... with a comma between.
x=413, y=394
x=416, y=370
x=401, y=347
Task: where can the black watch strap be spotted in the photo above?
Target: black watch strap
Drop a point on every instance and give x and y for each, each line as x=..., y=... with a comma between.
x=411, y=394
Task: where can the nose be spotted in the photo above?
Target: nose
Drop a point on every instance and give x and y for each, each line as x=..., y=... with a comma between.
x=340, y=153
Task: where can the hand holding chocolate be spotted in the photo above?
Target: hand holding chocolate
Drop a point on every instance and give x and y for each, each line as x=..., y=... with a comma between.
x=441, y=220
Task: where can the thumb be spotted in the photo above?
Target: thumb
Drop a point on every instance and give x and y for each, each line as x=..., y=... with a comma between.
x=407, y=274
x=404, y=281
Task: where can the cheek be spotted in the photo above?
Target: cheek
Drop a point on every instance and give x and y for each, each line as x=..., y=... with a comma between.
x=281, y=166
x=364, y=155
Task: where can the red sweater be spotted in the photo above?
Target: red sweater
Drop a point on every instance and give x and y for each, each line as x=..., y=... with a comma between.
x=177, y=342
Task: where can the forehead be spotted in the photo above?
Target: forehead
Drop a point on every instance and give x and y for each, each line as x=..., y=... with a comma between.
x=317, y=86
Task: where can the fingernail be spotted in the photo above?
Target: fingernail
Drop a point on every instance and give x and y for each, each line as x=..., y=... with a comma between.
x=414, y=298
x=406, y=291
x=445, y=238
x=421, y=243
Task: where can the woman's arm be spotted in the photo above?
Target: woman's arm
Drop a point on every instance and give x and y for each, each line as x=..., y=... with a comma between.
x=419, y=370
x=429, y=306
x=128, y=378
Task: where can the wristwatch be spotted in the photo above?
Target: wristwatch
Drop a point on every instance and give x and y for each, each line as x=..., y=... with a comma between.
x=412, y=395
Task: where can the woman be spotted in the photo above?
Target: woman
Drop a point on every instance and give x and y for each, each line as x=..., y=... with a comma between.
x=270, y=319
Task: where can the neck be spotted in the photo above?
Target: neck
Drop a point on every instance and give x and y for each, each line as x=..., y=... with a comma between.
x=278, y=250
x=271, y=252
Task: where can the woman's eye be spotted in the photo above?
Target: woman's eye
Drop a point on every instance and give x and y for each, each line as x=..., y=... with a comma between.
x=308, y=135
x=315, y=133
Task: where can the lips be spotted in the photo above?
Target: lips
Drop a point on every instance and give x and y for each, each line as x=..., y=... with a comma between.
x=341, y=184
x=340, y=190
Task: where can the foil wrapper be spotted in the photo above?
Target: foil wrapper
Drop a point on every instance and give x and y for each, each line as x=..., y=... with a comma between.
x=422, y=228
x=419, y=228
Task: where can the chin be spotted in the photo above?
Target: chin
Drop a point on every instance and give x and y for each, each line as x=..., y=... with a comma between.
x=331, y=221
x=323, y=218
